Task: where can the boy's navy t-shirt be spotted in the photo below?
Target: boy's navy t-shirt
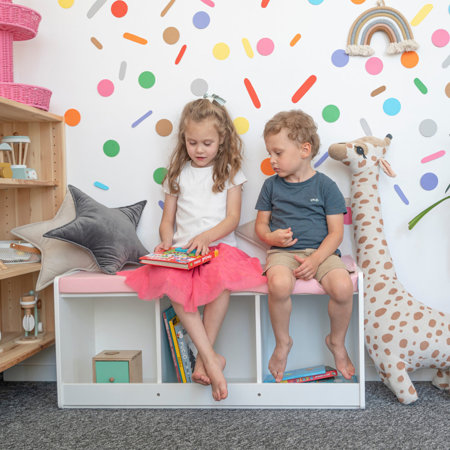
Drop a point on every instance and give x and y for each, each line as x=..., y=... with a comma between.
x=301, y=206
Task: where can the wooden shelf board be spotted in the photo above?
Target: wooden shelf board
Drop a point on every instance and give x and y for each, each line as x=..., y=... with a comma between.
x=12, y=111
x=10, y=183
x=12, y=353
x=13, y=270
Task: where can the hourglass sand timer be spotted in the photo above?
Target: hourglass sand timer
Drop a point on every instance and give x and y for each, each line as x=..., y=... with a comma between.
x=30, y=321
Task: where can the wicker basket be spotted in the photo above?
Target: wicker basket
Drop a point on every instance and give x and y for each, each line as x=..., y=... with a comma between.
x=36, y=96
x=23, y=22
x=11, y=255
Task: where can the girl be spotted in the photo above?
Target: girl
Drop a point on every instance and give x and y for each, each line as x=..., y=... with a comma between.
x=202, y=189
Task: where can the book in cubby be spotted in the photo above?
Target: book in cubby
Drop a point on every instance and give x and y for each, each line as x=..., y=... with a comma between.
x=305, y=374
x=182, y=348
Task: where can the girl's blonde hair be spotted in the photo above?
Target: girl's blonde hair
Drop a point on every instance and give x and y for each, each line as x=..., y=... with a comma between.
x=228, y=160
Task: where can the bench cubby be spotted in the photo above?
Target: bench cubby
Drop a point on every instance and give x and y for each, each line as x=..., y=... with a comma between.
x=96, y=312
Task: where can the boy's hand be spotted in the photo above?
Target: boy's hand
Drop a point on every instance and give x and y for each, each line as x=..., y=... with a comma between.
x=200, y=242
x=282, y=237
x=162, y=246
x=307, y=269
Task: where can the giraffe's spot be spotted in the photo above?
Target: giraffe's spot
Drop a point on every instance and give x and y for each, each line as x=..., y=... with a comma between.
x=387, y=265
x=358, y=194
x=392, y=291
x=375, y=346
x=347, y=163
x=376, y=208
x=387, y=337
x=429, y=335
x=363, y=202
x=362, y=180
x=403, y=343
x=424, y=345
x=380, y=312
x=361, y=164
x=371, y=271
x=376, y=325
x=362, y=239
x=379, y=229
x=381, y=221
x=374, y=186
x=368, y=339
x=366, y=223
x=392, y=328
x=384, y=242
x=418, y=316
x=387, y=351
x=373, y=300
x=381, y=252
x=403, y=323
x=399, y=297
x=400, y=378
x=415, y=329
x=395, y=316
x=365, y=263
x=438, y=332
x=379, y=286
x=401, y=365
x=359, y=216
x=411, y=390
x=432, y=323
x=369, y=246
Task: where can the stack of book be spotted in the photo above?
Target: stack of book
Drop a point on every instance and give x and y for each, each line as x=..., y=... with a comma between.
x=178, y=258
x=182, y=348
x=305, y=374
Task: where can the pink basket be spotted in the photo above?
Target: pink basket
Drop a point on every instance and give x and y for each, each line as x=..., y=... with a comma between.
x=36, y=96
x=21, y=21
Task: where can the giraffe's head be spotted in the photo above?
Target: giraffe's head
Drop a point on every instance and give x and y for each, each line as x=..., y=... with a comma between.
x=363, y=153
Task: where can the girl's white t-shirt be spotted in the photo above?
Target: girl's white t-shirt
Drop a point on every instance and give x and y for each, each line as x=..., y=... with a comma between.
x=198, y=207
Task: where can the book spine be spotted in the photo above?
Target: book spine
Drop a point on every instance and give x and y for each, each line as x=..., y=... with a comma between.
x=328, y=374
x=197, y=262
x=172, y=350
x=184, y=351
x=177, y=349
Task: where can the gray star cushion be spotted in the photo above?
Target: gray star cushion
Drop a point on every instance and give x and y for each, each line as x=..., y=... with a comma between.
x=109, y=234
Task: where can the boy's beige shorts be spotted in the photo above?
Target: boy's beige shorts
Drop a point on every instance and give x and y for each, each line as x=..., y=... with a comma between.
x=278, y=257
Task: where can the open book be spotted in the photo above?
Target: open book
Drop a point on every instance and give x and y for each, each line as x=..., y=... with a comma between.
x=178, y=258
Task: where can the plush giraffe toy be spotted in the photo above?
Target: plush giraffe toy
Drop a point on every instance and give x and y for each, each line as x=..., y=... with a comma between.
x=401, y=333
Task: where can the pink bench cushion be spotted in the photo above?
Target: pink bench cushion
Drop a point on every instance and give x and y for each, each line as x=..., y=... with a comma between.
x=96, y=283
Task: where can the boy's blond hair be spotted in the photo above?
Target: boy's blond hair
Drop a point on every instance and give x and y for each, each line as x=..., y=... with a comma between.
x=299, y=125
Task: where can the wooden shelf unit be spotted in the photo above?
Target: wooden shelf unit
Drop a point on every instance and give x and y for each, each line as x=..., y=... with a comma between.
x=23, y=202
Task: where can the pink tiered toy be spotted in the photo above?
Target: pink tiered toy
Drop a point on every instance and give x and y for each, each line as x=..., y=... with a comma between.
x=18, y=23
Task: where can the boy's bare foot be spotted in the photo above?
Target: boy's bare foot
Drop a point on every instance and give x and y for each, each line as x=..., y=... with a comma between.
x=199, y=375
x=215, y=374
x=278, y=360
x=341, y=359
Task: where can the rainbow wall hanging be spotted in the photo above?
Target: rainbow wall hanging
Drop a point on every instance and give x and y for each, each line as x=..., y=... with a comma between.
x=380, y=18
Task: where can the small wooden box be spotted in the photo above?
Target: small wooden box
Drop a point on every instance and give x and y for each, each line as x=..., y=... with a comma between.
x=117, y=366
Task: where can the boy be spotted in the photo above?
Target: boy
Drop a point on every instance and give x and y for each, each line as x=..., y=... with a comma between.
x=301, y=216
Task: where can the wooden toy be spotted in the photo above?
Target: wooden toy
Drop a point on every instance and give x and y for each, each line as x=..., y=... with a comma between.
x=117, y=366
x=19, y=146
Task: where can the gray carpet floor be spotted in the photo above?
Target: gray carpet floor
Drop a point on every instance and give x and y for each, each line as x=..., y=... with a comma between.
x=30, y=419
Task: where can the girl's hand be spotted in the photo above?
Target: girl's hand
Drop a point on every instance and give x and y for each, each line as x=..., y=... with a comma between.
x=307, y=269
x=282, y=237
x=162, y=246
x=200, y=242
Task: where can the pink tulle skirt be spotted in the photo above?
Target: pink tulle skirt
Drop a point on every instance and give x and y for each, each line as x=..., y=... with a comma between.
x=232, y=269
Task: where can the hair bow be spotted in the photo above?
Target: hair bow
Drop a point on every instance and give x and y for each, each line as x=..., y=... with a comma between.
x=215, y=98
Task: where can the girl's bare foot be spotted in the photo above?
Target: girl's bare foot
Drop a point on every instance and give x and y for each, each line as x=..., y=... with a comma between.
x=215, y=374
x=341, y=359
x=278, y=360
x=199, y=375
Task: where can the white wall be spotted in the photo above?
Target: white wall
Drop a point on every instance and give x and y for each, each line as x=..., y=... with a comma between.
x=63, y=59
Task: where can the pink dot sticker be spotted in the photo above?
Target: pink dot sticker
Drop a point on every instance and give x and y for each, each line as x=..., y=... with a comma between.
x=105, y=88
x=265, y=46
x=374, y=66
x=440, y=38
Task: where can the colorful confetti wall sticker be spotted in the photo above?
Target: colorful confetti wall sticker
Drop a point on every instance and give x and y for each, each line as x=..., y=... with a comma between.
x=96, y=43
x=401, y=194
x=180, y=54
x=247, y=47
x=365, y=127
x=168, y=6
x=304, y=88
x=209, y=3
x=422, y=88
x=295, y=39
x=101, y=186
x=93, y=10
x=143, y=117
x=134, y=38
x=251, y=92
x=377, y=91
x=433, y=156
x=424, y=11
x=264, y=3
x=122, y=70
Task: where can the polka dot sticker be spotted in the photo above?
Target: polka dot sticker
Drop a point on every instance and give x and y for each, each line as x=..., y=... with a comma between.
x=409, y=59
x=65, y=3
x=265, y=46
x=171, y=35
x=199, y=87
x=447, y=90
x=391, y=106
x=201, y=20
x=241, y=124
x=72, y=117
x=315, y=2
x=440, y=38
x=358, y=2
x=159, y=174
x=105, y=88
x=147, y=79
x=266, y=167
x=429, y=181
x=374, y=65
x=164, y=127
x=119, y=9
x=427, y=127
x=221, y=51
x=331, y=113
x=111, y=148
x=339, y=58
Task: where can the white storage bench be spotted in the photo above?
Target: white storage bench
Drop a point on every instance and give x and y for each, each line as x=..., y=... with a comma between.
x=96, y=312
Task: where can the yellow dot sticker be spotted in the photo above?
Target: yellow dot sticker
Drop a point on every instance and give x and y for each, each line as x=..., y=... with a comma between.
x=65, y=3
x=241, y=124
x=221, y=51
